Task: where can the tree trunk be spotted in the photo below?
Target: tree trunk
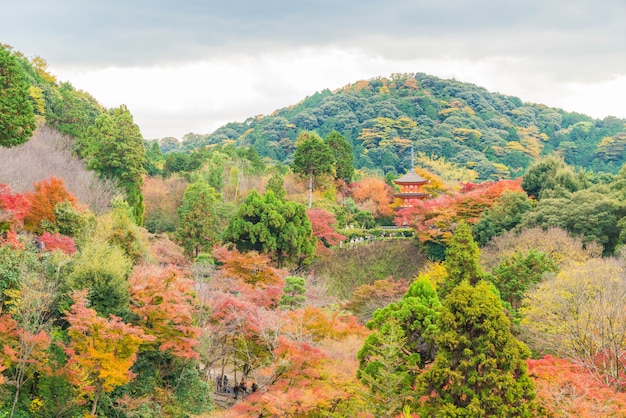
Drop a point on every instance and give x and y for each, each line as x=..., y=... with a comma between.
x=310, y=189
x=96, y=396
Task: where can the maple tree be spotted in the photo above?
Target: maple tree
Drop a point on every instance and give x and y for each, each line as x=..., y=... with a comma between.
x=47, y=194
x=162, y=298
x=435, y=219
x=31, y=305
x=323, y=224
x=565, y=388
x=100, y=351
x=374, y=195
x=59, y=242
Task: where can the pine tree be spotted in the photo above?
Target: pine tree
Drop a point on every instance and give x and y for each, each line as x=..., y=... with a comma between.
x=342, y=152
x=197, y=230
x=312, y=158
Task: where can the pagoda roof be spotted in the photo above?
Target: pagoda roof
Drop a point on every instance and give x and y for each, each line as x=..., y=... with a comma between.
x=414, y=195
x=410, y=177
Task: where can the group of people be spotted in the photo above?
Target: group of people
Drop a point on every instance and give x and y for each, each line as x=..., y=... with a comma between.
x=237, y=389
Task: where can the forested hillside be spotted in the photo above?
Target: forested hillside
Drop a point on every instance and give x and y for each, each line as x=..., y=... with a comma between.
x=495, y=135
x=269, y=269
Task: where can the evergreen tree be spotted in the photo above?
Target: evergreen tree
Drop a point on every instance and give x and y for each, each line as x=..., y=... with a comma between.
x=293, y=293
x=114, y=147
x=480, y=368
x=342, y=153
x=197, y=231
x=401, y=345
x=272, y=226
x=312, y=158
x=462, y=260
x=276, y=184
x=17, y=115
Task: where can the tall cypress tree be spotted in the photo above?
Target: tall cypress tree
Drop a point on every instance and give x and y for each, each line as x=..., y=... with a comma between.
x=462, y=260
x=480, y=368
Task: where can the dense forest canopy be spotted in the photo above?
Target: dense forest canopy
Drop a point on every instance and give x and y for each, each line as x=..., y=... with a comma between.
x=497, y=136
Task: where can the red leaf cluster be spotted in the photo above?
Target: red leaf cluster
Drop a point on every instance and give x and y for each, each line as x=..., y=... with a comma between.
x=323, y=224
x=53, y=242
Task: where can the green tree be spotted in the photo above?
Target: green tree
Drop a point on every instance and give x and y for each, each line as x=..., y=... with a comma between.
x=114, y=147
x=103, y=269
x=480, y=368
x=197, y=230
x=293, y=293
x=312, y=158
x=276, y=184
x=503, y=216
x=271, y=226
x=17, y=115
x=517, y=273
x=462, y=260
x=342, y=153
x=400, y=346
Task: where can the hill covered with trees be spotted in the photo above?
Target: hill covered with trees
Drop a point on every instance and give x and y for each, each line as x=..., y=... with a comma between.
x=496, y=136
x=257, y=271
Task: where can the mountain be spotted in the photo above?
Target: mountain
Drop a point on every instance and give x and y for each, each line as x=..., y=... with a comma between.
x=495, y=135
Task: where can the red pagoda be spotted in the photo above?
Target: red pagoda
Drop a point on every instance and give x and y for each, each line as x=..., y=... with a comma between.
x=410, y=189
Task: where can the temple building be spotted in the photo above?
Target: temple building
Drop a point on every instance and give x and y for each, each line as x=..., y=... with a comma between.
x=410, y=189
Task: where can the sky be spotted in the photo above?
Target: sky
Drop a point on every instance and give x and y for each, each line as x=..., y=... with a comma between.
x=191, y=66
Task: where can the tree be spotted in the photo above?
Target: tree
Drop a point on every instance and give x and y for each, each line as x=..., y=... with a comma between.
x=271, y=226
x=400, y=346
x=515, y=274
x=373, y=195
x=114, y=148
x=503, y=216
x=165, y=304
x=312, y=158
x=293, y=293
x=579, y=314
x=461, y=261
x=480, y=368
x=47, y=194
x=197, y=230
x=323, y=224
x=100, y=351
x=342, y=154
x=103, y=269
x=17, y=116
x=31, y=306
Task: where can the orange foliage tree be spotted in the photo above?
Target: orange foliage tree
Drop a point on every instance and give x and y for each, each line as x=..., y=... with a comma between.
x=164, y=301
x=47, y=194
x=373, y=195
x=100, y=351
x=567, y=389
x=434, y=220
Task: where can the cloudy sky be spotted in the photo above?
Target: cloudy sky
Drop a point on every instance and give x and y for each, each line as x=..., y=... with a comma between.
x=193, y=65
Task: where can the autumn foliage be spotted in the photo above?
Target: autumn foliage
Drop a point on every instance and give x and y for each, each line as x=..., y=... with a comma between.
x=47, y=194
x=566, y=389
x=52, y=242
x=323, y=224
x=373, y=195
x=100, y=351
x=434, y=219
